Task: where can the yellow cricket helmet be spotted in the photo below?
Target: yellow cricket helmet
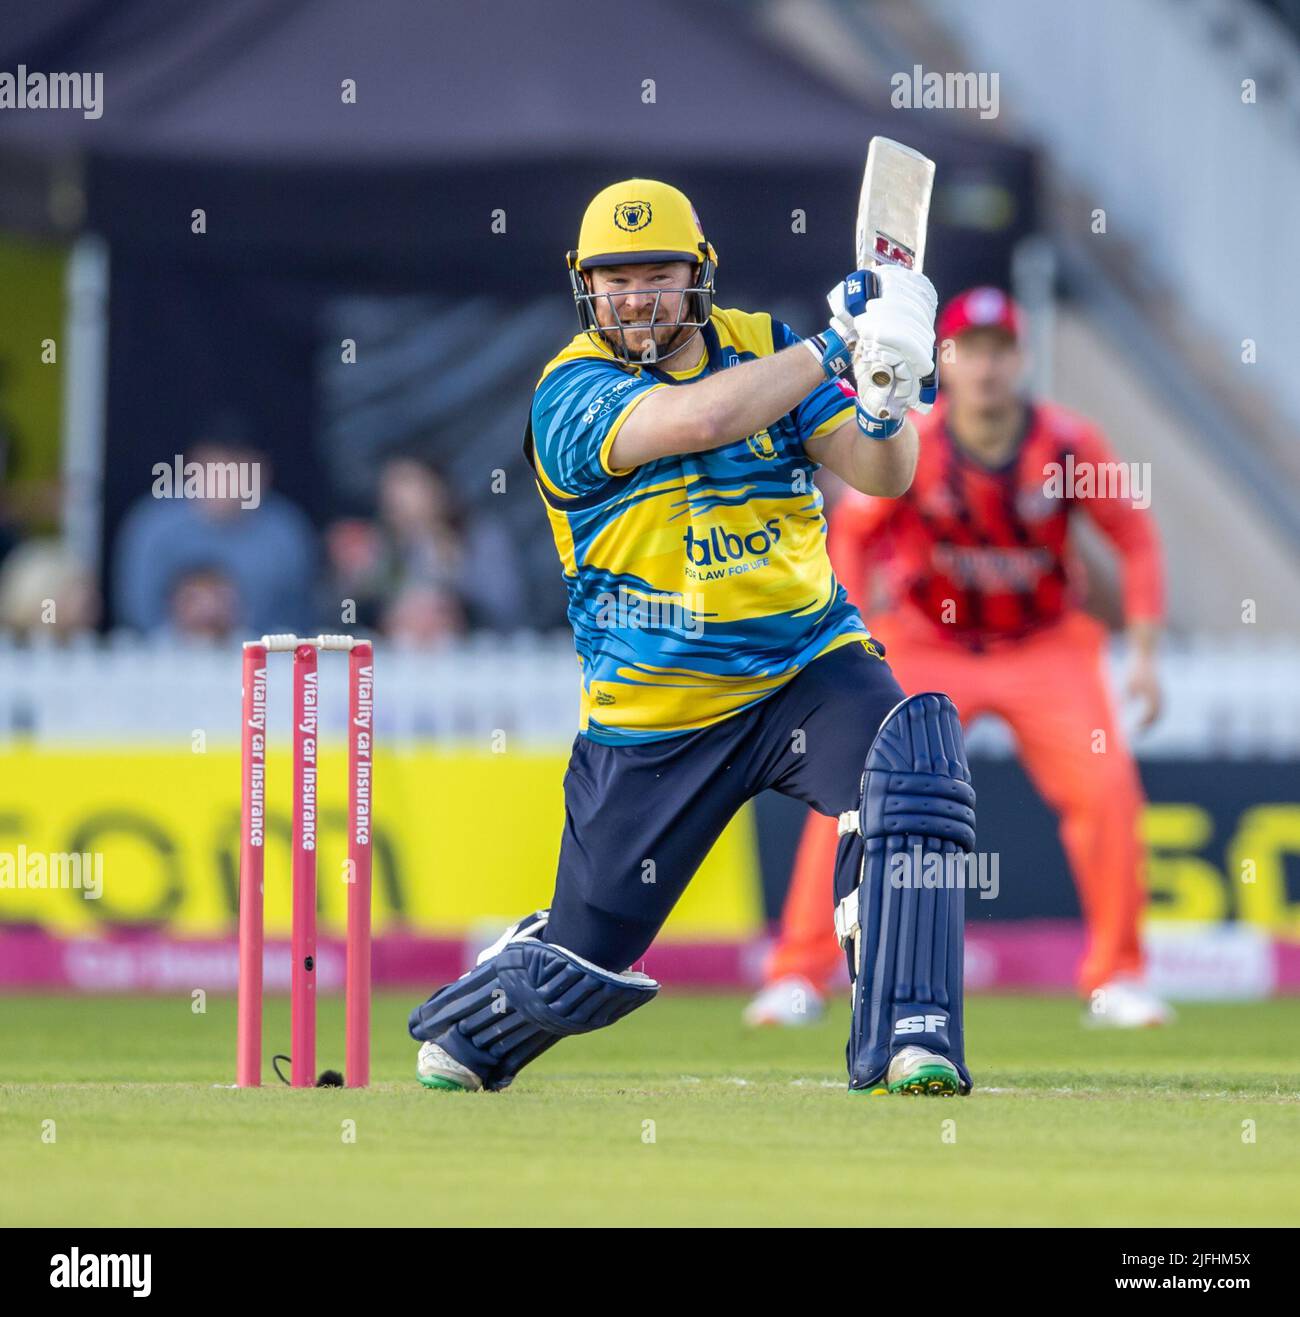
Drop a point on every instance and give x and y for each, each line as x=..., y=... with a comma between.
x=638, y=222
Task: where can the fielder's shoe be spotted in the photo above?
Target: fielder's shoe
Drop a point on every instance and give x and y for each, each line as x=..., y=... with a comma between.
x=921, y=1073
x=786, y=1004
x=434, y=1068
x=1124, y=1004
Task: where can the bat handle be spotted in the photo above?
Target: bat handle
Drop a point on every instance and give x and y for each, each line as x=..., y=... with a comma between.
x=874, y=390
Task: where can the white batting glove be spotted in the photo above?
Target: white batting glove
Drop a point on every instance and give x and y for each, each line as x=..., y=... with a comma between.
x=848, y=300
x=895, y=349
x=833, y=347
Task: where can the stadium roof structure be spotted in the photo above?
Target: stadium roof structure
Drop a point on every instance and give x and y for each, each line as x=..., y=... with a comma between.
x=434, y=211
x=460, y=111
x=436, y=82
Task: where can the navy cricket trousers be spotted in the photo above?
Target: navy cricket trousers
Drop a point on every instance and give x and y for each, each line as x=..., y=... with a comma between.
x=639, y=819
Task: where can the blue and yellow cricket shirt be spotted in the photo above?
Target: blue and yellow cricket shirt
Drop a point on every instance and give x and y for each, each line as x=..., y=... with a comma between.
x=698, y=584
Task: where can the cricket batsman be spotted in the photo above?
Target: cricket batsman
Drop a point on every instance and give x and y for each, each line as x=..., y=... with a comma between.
x=675, y=446
x=987, y=590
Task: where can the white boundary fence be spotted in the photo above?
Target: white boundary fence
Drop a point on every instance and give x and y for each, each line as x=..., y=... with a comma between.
x=129, y=690
x=1235, y=700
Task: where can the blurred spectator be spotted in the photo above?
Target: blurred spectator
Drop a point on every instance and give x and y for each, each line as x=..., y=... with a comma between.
x=430, y=541
x=267, y=551
x=204, y=605
x=8, y=530
x=423, y=617
x=9, y=533
x=356, y=554
x=45, y=590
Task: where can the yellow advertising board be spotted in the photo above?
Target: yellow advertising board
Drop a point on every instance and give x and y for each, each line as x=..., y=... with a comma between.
x=462, y=838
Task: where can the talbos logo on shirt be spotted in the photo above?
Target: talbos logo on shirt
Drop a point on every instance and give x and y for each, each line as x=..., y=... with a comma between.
x=724, y=546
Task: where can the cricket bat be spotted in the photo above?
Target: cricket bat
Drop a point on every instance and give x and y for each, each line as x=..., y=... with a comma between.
x=893, y=211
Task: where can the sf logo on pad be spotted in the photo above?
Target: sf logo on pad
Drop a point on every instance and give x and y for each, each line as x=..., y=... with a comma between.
x=921, y=1024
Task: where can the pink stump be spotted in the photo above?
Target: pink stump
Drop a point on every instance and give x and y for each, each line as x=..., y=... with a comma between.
x=302, y=1004
x=360, y=778
x=252, y=836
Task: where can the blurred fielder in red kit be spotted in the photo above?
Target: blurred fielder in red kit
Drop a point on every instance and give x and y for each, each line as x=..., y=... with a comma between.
x=986, y=606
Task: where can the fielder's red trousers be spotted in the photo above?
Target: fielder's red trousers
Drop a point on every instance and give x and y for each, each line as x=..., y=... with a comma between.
x=1051, y=689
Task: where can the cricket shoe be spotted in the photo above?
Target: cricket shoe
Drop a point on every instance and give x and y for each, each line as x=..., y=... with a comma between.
x=921, y=1073
x=1124, y=1004
x=435, y=1068
x=789, y=1003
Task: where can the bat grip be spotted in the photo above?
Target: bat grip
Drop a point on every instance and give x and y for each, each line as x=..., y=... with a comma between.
x=882, y=376
x=874, y=390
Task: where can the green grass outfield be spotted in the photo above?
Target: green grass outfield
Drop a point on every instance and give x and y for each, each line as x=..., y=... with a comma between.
x=676, y=1116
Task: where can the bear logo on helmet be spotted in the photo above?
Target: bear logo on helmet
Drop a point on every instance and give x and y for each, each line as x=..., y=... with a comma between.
x=632, y=216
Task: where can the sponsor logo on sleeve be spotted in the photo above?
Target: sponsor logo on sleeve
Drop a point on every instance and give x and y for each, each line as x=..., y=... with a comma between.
x=607, y=401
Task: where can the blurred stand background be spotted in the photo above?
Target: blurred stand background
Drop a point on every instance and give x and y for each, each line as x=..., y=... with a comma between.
x=350, y=288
